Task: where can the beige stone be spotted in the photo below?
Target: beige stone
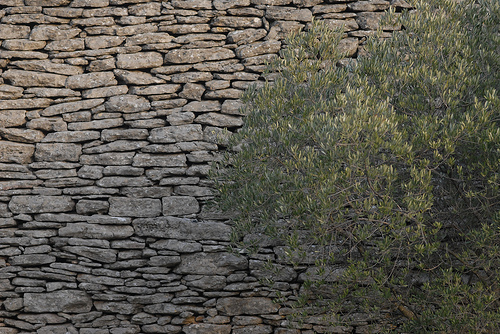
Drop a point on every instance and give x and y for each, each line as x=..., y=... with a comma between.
x=190, y=56
x=91, y=80
x=34, y=79
x=139, y=60
x=58, y=152
x=9, y=118
x=8, y=31
x=8, y=92
x=21, y=135
x=52, y=32
x=16, y=152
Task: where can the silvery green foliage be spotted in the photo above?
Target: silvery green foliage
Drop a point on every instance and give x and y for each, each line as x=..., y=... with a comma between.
x=382, y=177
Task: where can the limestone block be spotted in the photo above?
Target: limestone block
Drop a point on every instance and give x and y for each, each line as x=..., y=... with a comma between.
x=202, y=106
x=10, y=118
x=179, y=205
x=132, y=134
x=148, y=38
x=348, y=24
x=246, y=36
x=47, y=124
x=52, y=32
x=271, y=2
x=139, y=60
x=69, y=107
x=282, y=29
x=108, y=159
x=330, y=8
x=212, y=264
x=32, y=260
x=9, y=31
x=155, y=89
x=15, y=152
x=71, y=136
x=197, y=191
x=190, y=56
x=145, y=9
x=40, y=204
x=104, y=92
x=48, y=66
x=91, y=80
x=23, y=44
x=89, y=3
x=233, y=107
x=63, y=12
x=94, y=21
x=94, y=125
x=369, y=6
x=192, y=4
x=191, y=77
x=182, y=229
x=68, y=301
x=123, y=181
x=208, y=283
x=96, y=231
x=192, y=91
x=237, y=22
x=117, y=307
x=21, y=135
x=34, y=79
x=52, y=92
x=118, y=145
x=227, y=4
x=102, y=65
x=289, y=14
x=137, y=78
x=178, y=246
x=250, y=306
x=67, y=45
x=103, y=42
x=127, y=104
x=86, y=207
x=25, y=104
x=371, y=21
x=150, y=192
x=134, y=207
x=180, y=118
x=209, y=328
x=173, y=134
x=58, y=152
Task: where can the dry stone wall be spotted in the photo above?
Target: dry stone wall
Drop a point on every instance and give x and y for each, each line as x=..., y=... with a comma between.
x=111, y=112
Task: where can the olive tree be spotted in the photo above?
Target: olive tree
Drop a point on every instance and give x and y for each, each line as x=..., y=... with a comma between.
x=381, y=176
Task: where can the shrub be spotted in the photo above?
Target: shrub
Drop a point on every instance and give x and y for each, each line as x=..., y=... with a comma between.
x=381, y=177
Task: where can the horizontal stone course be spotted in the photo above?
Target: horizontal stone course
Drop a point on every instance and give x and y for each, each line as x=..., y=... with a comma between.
x=112, y=113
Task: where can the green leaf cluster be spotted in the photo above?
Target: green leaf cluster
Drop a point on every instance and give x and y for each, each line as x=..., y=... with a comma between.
x=381, y=176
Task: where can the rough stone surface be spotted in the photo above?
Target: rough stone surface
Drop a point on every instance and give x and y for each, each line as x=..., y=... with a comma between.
x=111, y=115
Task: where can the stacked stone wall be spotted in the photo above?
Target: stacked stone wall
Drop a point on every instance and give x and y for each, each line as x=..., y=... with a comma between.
x=111, y=112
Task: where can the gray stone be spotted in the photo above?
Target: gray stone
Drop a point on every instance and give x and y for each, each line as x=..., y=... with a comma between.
x=180, y=205
x=288, y=13
x=207, y=328
x=34, y=79
x=139, y=60
x=57, y=152
x=86, y=207
x=71, y=136
x=211, y=264
x=127, y=103
x=47, y=124
x=132, y=134
x=179, y=133
x=32, y=260
x=68, y=301
x=8, y=92
x=99, y=231
x=52, y=32
x=68, y=107
x=237, y=22
x=219, y=120
x=246, y=36
x=137, y=78
x=181, y=229
x=189, y=56
x=48, y=66
x=21, y=135
x=103, y=42
x=108, y=159
x=93, y=253
x=192, y=4
x=9, y=31
x=149, y=38
x=253, y=305
x=104, y=92
x=96, y=125
x=91, y=80
x=134, y=207
x=39, y=204
x=124, y=181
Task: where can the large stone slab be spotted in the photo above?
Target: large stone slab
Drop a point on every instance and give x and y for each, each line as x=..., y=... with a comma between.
x=139, y=60
x=58, y=152
x=182, y=229
x=96, y=231
x=191, y=56
x=134, y=207
x=34, y=79
x=174, y=134
x=250, y=306
x=127, y=104
x=67, y=301
x=91, y=80
x=16, y=152
x=211, y=264
x=40, y=204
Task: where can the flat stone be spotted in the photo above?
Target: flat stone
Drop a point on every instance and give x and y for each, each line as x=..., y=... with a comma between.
x=66, y=45
x=132, y=134
x=211, y=264
x=149, y=38
x=123, y=181
x=127, y=104
x=179, y=133
x=16, y=152
x=190, y=56
x=52, y=32
x=227, y=4
x=68, y=107
x=118, y=145
x=219, y=120
x=192, y=4
x=96, y=125
x=34, y=79
x=32, y=260
x=134, y=207
x=103, y=42
x=68, y=301
x=91, y=80
x=237, y=22
x=96, y=231
x=23, y=45
x=22, y=135
x=104, y=92
x=249, y=306
x=71, y=136
x=288, y=13
x=40, y=204
x=155, y=89
x=209, y=328
x=180, y=205
x=137, y=77
x=139, y=60
x=246, y=36
x=202, y=106
x=8, y=92
x=181, y=229
x=108, y=159
x=57, y=152
x=9, y=31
